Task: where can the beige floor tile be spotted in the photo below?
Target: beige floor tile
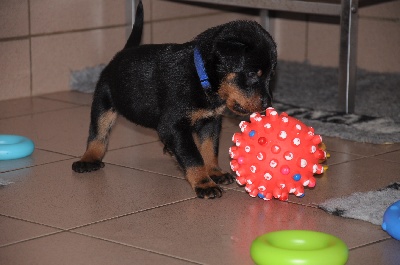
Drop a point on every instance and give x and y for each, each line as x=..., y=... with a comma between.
x=290, y=33
x=232, y=124
x=70, y=97
x=355, y=176
x=55, y=56
x=379, y=50
x=150, y=157
x=38, y=157
x=382, y=253
x=55, y=195
x=28, y=106
x=65, y=131
x=333, y=144
x=70, y=248
x=391, y=156
x=179, y=31
x=14, y=69
x=162, y=10
x=323, y=35
x=223, y=229
x=10, y=26
x=337, y=158
x=13, y=230
x=386, y=9
x=134, y=217
x=343, y=179
x=64, y=15
x=356, y=148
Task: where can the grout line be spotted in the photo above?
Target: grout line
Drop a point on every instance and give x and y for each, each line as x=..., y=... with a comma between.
x=59, y=153
x=32, y=222
x=37, y=165
x=307, y=20
x=145, y=170
x=23, y=37
x=386, y=19
x=384, y=153
x=128, y=214
x=310, y=205
x=29, y=36
x=151, y=23
x=43, y=96
x=45, y=111
x=369, y=244
x=30, y=51
x=214, y=13
x=135, y=247
x=31, y=239
x=134, y=145
x=60, y=230
x=344, y=162
x=84, y=225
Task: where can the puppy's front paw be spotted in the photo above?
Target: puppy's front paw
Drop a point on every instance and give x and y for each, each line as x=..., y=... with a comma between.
x=81, y=166
x=209, y=192
x=223, y=178
x=202, y=184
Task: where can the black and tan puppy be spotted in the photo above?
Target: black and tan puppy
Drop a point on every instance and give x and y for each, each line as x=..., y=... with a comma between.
x=181, y=90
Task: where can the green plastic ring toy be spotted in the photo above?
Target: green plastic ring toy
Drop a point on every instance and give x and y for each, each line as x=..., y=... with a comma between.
x=15, y=146
x=289, y=247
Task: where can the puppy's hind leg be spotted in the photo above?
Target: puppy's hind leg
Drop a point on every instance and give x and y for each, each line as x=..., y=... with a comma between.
x=102, y=119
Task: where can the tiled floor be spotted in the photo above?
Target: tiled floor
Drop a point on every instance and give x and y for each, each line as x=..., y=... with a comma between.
x=140, y=210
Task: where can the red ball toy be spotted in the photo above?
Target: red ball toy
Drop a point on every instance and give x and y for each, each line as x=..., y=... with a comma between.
x=276, y=155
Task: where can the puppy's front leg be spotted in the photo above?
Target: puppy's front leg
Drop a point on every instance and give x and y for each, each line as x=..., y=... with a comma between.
x=208, y=133
x=178, y=139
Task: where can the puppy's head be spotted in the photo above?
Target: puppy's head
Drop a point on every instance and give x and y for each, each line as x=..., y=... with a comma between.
x=242, y=61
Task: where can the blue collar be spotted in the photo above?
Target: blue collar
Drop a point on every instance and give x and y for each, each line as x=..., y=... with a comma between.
x=201, y=71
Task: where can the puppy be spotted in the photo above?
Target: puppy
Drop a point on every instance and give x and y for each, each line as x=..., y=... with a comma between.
x=181, y=90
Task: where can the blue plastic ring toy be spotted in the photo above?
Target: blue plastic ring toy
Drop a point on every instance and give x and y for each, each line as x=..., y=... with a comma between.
x=15, y=146
x=391, y=220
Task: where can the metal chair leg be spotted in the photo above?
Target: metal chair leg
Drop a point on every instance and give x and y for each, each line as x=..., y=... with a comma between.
x=264, y=20
x=348, y=55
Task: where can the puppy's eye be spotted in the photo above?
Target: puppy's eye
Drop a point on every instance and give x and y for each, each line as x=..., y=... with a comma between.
x=255, y=74
x=251, y=74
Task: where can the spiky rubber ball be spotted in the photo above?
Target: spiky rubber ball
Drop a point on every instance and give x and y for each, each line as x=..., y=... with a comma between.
x=275, y=155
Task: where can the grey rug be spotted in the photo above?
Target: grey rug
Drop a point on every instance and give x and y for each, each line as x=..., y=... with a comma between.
x=85, y=80
x=368, y=206
x=309, y=93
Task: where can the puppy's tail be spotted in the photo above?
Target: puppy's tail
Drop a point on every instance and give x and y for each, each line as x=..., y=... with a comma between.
x=136, y=33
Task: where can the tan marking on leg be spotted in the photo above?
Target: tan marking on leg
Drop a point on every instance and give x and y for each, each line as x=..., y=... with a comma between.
x=207, y=152
x=210, y=159
x=204, y=114
x=97, y=148
x=199, y=114
x=198, y=177
x=95, y=152
x=202, y=184
x=106, y=121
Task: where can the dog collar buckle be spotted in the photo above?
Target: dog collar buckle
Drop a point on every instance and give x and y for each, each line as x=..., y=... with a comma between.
x=201, y=71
